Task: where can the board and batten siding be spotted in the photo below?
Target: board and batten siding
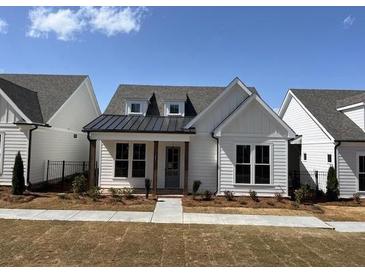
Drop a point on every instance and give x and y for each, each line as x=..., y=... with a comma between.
x=348, y=168
x=15, y=140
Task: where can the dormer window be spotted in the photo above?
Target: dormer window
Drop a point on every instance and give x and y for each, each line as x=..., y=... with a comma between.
x=174, y=109
x=136, y=108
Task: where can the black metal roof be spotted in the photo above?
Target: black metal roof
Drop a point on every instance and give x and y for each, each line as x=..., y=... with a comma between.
x=139, y=123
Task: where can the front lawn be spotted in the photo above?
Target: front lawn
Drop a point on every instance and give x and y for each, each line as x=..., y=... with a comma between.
x=345, y=210
x=51, y=200
x=46, y=243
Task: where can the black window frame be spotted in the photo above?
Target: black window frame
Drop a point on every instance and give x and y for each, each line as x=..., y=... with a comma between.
x=262, y=164
x=136, y=104
x=139, y=161
x=122, y=158
x=178, y=108
x=243, y=163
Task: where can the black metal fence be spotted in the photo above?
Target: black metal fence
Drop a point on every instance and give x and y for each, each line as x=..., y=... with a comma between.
x=59, y=171
x=315, y=179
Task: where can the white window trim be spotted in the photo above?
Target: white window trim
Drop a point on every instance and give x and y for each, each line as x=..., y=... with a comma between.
x=181, y=108
x=143, y=107
x=130, y=160
x=358, y=154
x=253, y=163
x=2, y=146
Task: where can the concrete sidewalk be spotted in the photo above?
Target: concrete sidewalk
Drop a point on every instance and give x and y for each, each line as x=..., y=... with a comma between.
x=170, y=211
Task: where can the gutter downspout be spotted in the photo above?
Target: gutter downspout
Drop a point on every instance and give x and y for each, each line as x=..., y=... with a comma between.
x=30, y=153
x=336, y=148
x=217, y=181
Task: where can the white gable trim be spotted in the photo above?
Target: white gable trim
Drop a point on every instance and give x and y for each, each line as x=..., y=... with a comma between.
x=351, y=106
x=91, y=94
x=14, y=106
x=218, y=130
x=284, y=107
x=217, y=99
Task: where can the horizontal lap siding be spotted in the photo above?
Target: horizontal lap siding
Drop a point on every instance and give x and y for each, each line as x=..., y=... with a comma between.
x=107, y=179
x=347, y=167
x=203, y=162
x=15, y=140
x=279, y=166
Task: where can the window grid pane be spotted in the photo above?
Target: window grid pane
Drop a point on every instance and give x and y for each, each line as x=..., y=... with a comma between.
x=174, y=109
x=135, y=108
x=262, y=154
x=243, y=174
x=139, y=163
x=243, y=154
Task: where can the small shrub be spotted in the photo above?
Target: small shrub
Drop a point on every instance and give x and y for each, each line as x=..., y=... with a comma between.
x=147, y=187
x=253, y=195
x=356, y=197
x=113, y=191
x=302, y=194
x=207, y=195
x=332, y=185
x=278, y=197
x=127, y=192
x=18, y=181
x=94, y=193
x=196, y=185
x=229, y=195
x=79, y=184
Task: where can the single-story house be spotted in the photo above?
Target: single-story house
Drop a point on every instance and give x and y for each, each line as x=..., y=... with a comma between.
x=331, y=124
x=42, y=117
x=226, y=137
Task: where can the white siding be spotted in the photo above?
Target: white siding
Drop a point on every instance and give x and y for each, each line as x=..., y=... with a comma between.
x=347, y=168
x=221, y=110
x=55, y=145
x=279, y=171
x=7, y=113
x=78, y=110
x=315, y=143
x=357, y=115
x=15, y=140
x=203, y=162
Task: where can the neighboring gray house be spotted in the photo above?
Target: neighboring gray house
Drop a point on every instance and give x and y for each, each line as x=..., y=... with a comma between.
x=332, y=124
x=226, y=137
x=42, y=117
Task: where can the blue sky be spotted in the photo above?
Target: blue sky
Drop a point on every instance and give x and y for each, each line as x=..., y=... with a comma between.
x=272, y=49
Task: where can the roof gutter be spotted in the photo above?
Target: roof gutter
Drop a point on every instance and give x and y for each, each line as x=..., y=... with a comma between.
x=217, y=181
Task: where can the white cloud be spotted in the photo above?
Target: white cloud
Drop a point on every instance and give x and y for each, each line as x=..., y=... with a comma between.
x=113, y=20
x=3, y=26
x=348, y=21
x=66, y=23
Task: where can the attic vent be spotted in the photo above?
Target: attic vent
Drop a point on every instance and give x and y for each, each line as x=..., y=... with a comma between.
x=75, y=136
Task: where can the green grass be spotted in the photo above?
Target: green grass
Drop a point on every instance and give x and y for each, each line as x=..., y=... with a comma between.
x=45, y=243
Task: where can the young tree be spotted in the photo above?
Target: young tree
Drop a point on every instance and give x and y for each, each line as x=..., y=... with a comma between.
x=332, y=185
x=18, y=182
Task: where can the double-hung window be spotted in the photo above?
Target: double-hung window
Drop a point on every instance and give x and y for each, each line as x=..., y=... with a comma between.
x=361, y=160
x=243, y=164
x=139, y=160
x=262, y=164
x=121, y=160
x=2, y=141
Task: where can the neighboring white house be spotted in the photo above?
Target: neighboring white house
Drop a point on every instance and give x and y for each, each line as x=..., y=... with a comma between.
x=226, y=137
x=42, y=117
x=331, y=125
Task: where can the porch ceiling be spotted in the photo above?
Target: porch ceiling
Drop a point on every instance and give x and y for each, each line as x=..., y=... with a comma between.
x=140, y=124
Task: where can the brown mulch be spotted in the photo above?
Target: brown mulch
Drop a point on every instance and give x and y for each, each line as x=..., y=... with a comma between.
x=50, y=200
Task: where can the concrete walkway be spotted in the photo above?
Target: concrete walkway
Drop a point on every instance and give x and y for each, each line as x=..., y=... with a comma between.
x=170, y=210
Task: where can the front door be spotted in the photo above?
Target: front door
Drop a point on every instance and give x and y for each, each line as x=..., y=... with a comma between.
x=172, y=167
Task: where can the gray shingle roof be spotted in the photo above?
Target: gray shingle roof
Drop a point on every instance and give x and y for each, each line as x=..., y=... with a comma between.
x=200, y=97
x=358, y=98
x=139, y=123
x=52, y=90
x=322, y=104
x=25, y=99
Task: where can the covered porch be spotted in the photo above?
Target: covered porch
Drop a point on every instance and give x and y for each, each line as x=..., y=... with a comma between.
x=128, y=158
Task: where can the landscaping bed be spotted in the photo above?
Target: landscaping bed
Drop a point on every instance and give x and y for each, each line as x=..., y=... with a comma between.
x=51, y=200
x=342, y=210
